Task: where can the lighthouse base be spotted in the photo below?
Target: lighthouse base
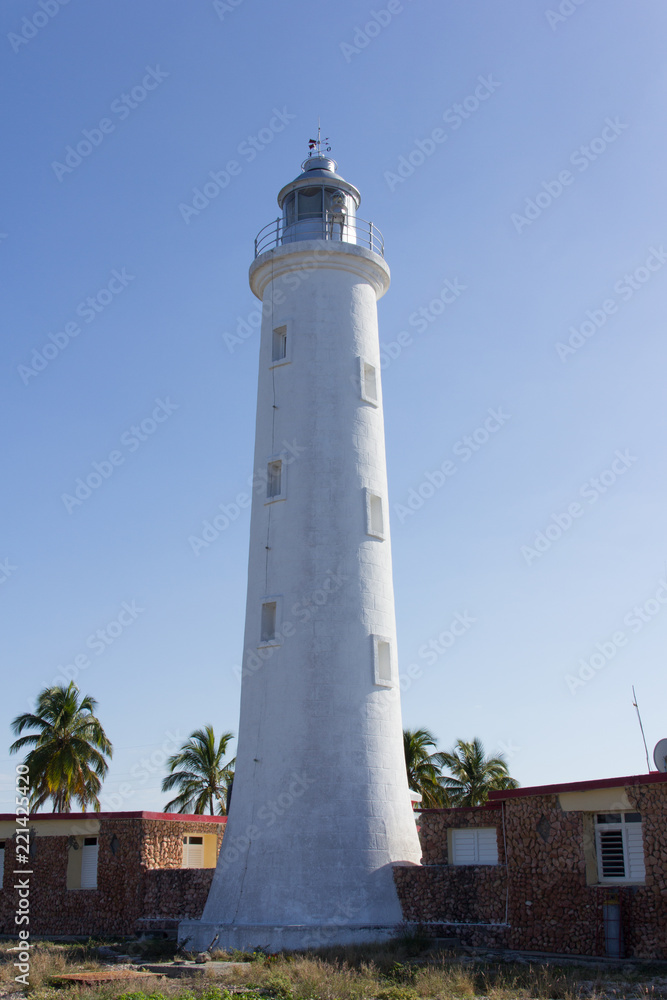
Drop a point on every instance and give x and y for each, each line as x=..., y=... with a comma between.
x=196, y=935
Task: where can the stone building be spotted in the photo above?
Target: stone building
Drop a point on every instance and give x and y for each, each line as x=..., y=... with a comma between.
x=578, y=869
x=111, y=873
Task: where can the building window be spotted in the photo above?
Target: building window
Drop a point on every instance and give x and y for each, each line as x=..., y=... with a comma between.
x=279, y=345
x=383, y=672
x=82, y=862
x=368, y=382
x=374, y=515
x=620, y=847
x=474, y=847
x=2, y=863
x=193, y=852
x=275, y=487
x=200, y=851
x=268, y=628
x=89, y=863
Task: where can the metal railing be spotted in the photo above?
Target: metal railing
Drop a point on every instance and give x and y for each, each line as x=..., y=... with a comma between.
x=355, y=231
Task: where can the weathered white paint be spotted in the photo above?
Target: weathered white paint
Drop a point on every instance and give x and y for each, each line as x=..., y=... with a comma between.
x=320, y=808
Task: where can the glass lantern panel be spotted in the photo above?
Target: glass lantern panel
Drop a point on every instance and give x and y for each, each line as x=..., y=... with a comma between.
x=310, y=203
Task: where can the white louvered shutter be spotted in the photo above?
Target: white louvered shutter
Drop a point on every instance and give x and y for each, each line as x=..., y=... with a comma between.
x=487, y=846
x=89, y=863
x=475, y=847
x=635, y=851
x=463, y=847
x=193, y=852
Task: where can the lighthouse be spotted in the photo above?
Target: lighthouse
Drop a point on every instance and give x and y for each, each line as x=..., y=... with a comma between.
x=320, y=811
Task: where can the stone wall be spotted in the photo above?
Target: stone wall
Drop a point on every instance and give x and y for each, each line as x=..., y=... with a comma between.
x=130, y=850
x=170, y=894
x=434, y=823
x=545, y=883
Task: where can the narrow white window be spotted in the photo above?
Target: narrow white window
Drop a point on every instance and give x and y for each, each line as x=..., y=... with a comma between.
x=2, y=863
x=374, y=515
x=368, y=382
x=474, y=846
x=89, y=863
x=279, y=345
x=620, y=847
x=383, y=672
x=268, y=629
x=274, y=477
x=193, y=852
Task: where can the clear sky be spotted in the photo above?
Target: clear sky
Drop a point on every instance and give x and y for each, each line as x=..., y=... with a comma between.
x=513, y=154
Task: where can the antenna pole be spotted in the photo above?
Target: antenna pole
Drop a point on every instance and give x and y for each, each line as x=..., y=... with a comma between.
x=634, y=702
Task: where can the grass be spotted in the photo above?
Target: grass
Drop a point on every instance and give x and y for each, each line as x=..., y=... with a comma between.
x=401, y=970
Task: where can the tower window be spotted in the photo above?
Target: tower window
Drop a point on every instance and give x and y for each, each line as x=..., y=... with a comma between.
x=368, y=382
x=383, y=673
x=374, y=515
x=268, y=628
x=274, y=477
x=279, y=345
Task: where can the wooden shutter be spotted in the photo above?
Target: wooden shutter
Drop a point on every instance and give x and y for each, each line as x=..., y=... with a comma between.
x=2, y=863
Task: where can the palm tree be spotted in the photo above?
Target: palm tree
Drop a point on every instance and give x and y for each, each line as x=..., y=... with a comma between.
x=205, y=778
x=473, y=775
x=423, y=768
x=67, y=761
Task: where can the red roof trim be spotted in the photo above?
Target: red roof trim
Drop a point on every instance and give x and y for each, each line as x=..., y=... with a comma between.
x=654, y=777
x=174, y=817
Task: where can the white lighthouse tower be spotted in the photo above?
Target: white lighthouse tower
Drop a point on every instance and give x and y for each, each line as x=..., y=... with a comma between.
x=320, y=809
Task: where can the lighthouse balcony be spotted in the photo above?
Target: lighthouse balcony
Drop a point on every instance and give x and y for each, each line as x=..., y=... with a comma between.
x=330, y=226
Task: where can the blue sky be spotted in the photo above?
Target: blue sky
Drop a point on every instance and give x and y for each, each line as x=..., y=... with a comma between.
x=530, y=139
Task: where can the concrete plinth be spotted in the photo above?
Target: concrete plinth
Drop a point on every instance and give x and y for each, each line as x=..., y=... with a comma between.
x=195, y=935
